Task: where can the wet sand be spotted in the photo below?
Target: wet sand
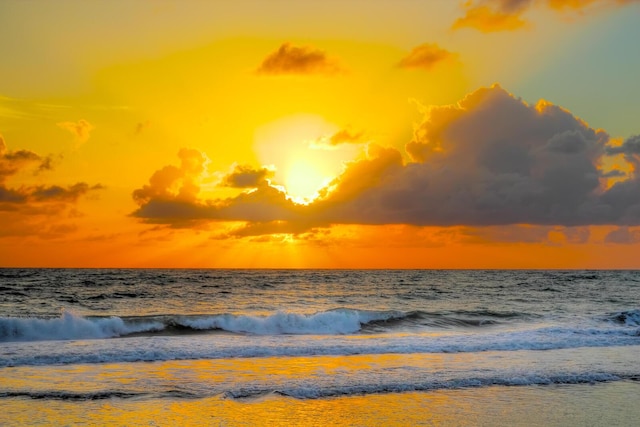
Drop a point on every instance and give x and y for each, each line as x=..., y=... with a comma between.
x=610, y=404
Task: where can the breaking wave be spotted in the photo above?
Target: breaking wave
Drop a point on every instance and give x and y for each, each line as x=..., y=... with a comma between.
x=70, y=326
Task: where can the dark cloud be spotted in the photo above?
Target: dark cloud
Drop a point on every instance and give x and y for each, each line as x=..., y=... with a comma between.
x=623, y=236
x=630, y=147
x=42, y=194
x=46, y=164
x=613, y=173
x=171, y=197
x=264, y=204
x=27, y=210
x=244, y=176
x=495, y=160
x=13, y=161
x=426, y=56
x=490, y=160
x=274, y=227
x=61, y=194
x=289, y=59
x=8, y=195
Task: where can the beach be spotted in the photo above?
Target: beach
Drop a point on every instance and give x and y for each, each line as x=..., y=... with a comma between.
x=610, y=404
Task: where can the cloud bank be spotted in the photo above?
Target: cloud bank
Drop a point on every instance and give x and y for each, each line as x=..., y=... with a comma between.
x=489, y=160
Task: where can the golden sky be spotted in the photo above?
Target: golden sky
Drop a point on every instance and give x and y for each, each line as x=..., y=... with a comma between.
x=328, y=134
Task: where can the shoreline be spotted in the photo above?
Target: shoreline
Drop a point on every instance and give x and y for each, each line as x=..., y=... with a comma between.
x=609, y=403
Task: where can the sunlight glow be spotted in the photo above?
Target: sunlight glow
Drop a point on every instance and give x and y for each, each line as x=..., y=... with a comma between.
x=303, y=180
x=303, y=166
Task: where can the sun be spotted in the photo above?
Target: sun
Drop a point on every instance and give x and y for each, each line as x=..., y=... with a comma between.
x=303, y=164
x=303, y=180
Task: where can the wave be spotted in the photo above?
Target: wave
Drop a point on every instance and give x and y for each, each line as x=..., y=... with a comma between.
x=70, y=326
x=63, y=395
x=626, y=318
x=429, y=385
x=231, y=346
x=324, y=323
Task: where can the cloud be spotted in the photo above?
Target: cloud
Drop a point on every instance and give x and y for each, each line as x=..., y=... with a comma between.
x=426, y=56
x=172, y=196
x=244, y=176
x=488, y=19
x=489, y=160
x=303, y=60
x=173, y=183
x=492, y=159
x=13, y=161
x=506, y=15
x=141, y=127
x=623, y=236
x=273, y=227
x=61, y=194
x=80, y=129
x=630, y=147
x=345, y=136
x=582, y=4
x=35, y=209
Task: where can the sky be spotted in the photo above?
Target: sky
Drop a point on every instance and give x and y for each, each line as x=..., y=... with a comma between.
x=320, y=134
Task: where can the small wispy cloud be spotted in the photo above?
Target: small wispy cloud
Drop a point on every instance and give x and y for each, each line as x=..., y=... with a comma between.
x=81, y=130
x=300, y=60
x=426, y=56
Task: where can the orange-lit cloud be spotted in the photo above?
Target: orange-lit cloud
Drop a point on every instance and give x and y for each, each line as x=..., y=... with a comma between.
x=490, y=160
x=175, y=183
x=81, y=129
x=426, y=56
x=35, y=209
x=289, y=59
x=581, y=4
x=345, y=136
x=488, y=19
x=630, y=148
x=506, y=15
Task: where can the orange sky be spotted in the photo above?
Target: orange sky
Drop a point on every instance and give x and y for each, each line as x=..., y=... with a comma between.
x=386, y=134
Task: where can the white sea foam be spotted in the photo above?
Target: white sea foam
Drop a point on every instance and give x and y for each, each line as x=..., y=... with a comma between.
x=222, y=346
x=323, y=323
x=69, y=327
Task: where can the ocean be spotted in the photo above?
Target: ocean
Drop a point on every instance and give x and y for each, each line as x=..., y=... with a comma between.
x=318, y=347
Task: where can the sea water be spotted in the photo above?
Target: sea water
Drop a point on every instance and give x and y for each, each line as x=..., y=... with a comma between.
x=70, y=338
